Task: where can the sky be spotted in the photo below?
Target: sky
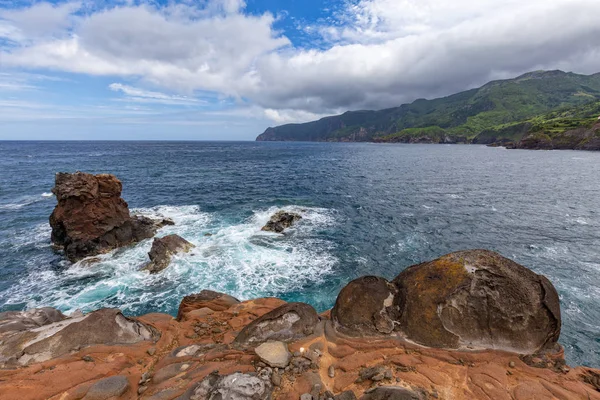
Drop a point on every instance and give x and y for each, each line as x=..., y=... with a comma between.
x=228, y=69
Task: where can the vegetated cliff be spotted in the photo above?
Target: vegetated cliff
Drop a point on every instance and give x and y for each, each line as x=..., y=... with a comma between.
x=459, y=118
x=468, y=325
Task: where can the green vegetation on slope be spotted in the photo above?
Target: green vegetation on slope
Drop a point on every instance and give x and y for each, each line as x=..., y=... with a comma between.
x=497, y=110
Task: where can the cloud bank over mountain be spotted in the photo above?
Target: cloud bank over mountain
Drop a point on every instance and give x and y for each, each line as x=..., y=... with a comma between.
x=226, y=57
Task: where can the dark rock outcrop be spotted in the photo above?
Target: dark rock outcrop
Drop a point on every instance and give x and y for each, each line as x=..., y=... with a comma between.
x=289, y=322
x=163, y=249
x=106, y=326
x=392, y=393
x=280, y=221
x=478, y=299
x=214, y=301
x=91, y=217
x=365, y=307
x=108, y=388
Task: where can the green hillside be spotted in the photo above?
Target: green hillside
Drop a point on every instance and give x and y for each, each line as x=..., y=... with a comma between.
x=497, y=110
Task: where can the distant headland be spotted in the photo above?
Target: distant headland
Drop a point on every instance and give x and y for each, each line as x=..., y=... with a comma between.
x=537, y=110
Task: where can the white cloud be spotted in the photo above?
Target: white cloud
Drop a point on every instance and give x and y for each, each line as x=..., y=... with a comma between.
x=38, y=20
x=146, y=96
x=378, y=53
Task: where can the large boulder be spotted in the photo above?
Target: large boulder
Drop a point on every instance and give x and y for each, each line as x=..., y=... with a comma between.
x=214, y=301
x=477, y=299
x=163, y=249
x=103, y=327
x=365, y=307
x=280, y=221
x=14, y=321
x=91, y=217
x=288, y=322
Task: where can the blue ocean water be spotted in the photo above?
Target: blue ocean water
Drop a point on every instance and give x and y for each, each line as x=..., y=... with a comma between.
x=368, y=209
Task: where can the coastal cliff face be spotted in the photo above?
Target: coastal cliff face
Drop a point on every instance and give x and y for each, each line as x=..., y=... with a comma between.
x=469, y=325
x=492, y=113
x=91, y=217
x=573, y=139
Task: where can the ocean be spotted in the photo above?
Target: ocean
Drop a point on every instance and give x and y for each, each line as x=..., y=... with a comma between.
x=369, y=209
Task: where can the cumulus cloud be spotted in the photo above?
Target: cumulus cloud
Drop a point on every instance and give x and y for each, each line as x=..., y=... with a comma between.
x=377, y=53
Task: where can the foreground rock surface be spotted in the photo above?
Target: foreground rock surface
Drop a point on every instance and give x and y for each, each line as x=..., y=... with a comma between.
x=163, y=249
x=199, y=355
x=478, y=299
x=91, y=217
x=280, y=221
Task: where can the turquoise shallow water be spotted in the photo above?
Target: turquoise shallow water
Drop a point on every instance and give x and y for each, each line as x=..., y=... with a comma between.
x=369, y=209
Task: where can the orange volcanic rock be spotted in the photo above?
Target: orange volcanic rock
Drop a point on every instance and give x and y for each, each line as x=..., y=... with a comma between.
x=196, y=356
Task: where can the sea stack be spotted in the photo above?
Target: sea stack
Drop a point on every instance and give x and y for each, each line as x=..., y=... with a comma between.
x=91, y=217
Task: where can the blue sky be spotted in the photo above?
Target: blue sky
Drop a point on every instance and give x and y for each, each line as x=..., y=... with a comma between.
x=228, y=69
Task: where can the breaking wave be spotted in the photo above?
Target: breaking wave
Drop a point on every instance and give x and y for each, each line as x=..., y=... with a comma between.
x=235, y=257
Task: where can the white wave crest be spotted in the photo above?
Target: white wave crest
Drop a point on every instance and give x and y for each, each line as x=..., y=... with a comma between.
x=237, y=258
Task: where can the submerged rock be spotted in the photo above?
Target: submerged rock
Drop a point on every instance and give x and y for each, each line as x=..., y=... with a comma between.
x=479, y=299
x=291, y=321
x=280, y=221
x=163, y=249
x=91, y=217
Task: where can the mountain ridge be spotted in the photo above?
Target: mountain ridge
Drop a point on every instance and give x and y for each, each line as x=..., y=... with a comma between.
x=458, y=118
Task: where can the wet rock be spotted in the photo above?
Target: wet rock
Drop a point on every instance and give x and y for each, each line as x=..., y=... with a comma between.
x=91, y=217
x=163, y=250
x=108, y=388
x=236, y=386
x=14, y=321
x=106, y=326
x=288, y=322
x=274, y=354
x=480, y=299
x=280, y=221
x=205, y=299
x=365, y=307
x=392, y=393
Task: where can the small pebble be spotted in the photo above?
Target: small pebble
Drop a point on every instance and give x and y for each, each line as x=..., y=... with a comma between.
x=87, y=359
x=511, y=364
x=142, y=389
x=276, y=379
x=151, y=351
x=331, y=371
x=306, y=396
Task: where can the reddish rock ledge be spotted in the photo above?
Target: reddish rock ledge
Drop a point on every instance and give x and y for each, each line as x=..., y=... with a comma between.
x=209, y=351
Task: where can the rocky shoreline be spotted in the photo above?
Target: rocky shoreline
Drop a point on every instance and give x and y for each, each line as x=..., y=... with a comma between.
x=468, y=325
